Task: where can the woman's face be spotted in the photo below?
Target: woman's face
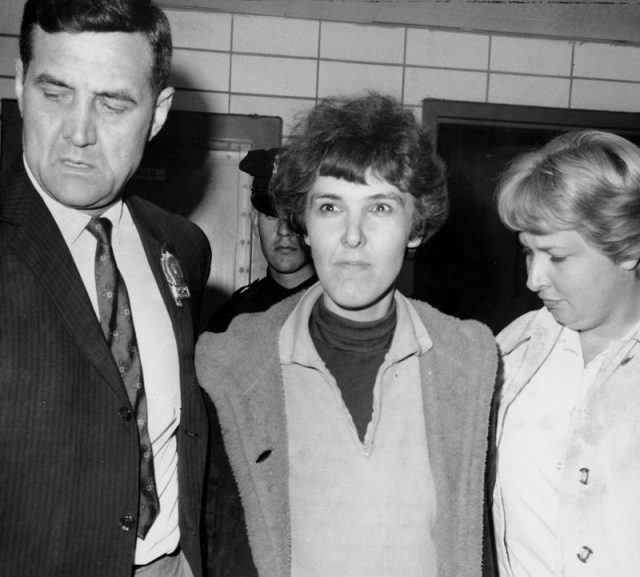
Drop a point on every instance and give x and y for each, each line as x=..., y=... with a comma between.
x=581, y=287
x=358, y=234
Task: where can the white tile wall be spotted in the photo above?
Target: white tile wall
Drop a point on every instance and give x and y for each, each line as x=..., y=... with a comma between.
x=274, y=76
x=201, y=101
x=423, y=83
x=200, y=70
x=201, y=30
x=10, y=16
x=8, y=54
x=607, y=61
x=529, y=90
x=447, y=49
x=7, y=88
x=278, y=36
x=511, y=54
x=288, y=109
x=362, y=43
x=606, y=95
x=245, y=64
x=343, y=78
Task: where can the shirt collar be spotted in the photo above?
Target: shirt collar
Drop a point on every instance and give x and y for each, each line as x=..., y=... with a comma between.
x=543, y=328
x=634, y=333
x=296, y=346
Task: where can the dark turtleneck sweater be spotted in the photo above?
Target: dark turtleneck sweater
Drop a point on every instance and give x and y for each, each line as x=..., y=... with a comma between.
x=353, y=352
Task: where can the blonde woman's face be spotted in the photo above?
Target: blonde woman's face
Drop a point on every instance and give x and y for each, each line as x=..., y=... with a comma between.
x=581, y=287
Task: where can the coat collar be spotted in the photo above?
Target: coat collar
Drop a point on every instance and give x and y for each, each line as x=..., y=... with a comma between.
x=530, y=339
x=538, y=329
x=296, y=345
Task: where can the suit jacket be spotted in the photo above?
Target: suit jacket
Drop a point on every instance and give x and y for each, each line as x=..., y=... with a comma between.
x=458, y=375
x=68, y=446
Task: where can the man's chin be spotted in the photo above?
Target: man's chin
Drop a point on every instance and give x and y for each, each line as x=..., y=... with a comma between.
x=91, y=203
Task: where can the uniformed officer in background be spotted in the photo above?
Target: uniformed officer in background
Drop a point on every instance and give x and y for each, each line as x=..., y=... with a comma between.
x=289, y=269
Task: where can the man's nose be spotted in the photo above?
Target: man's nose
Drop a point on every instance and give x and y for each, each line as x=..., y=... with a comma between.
x=80, y=125
x=283, y=228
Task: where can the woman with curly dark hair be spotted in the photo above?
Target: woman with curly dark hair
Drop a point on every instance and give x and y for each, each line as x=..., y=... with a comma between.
x=355, y=418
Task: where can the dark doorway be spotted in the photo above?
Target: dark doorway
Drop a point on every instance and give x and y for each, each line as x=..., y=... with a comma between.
x=474, y=267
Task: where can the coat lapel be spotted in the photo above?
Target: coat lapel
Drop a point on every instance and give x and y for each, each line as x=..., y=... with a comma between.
x=31, y=232
x=534, y=343
x=537, y=339
x=266, y=448
x=154, y=238
x=254, y=427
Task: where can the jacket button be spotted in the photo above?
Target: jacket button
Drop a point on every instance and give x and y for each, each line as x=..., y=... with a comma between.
x=125, y=413
x=263, y=456
x=127, y=522
x=584, y=554
x=584, y=476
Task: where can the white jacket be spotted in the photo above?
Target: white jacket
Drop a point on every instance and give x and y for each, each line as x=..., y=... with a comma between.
x=599, y=516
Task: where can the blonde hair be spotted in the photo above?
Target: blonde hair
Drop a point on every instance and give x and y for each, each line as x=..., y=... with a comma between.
x=587, y=181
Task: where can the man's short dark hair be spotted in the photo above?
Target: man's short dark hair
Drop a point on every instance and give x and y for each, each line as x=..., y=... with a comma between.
x=101, y=16
x=347, y=136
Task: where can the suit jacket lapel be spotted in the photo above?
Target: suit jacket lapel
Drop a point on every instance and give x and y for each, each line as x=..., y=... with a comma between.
x=31, y=232
x=154, y=238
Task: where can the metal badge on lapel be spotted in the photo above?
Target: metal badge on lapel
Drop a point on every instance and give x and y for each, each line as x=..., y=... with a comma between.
x=174, y=275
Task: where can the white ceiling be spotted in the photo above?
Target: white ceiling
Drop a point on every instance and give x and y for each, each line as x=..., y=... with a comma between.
x=604, y=20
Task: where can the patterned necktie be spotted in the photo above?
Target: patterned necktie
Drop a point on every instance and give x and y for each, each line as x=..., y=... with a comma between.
x=117, y=325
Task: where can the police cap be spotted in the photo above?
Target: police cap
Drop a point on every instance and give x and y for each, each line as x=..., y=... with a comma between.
x=260, y=165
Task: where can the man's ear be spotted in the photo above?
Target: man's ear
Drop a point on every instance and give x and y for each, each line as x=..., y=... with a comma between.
x=306, y=239
x=629, y=264
x=19, y=83
x=163, y=105
x=414, y=242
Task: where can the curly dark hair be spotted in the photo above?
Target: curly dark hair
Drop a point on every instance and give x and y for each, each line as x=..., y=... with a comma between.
x=345, y=137
x=102, y=16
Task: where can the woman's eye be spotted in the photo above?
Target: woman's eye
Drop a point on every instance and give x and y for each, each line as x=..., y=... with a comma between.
x=553, y=258
x=326, y=207
x=381, y=208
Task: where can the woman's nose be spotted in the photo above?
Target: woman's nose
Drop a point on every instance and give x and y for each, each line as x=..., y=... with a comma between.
x=536, y=275
x=353, y=234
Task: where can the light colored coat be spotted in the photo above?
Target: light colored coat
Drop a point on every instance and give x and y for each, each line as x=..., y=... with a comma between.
x=240, y=369
x=600, y=509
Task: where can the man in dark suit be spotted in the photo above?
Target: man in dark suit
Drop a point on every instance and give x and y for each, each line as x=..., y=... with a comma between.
x=103, y=430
